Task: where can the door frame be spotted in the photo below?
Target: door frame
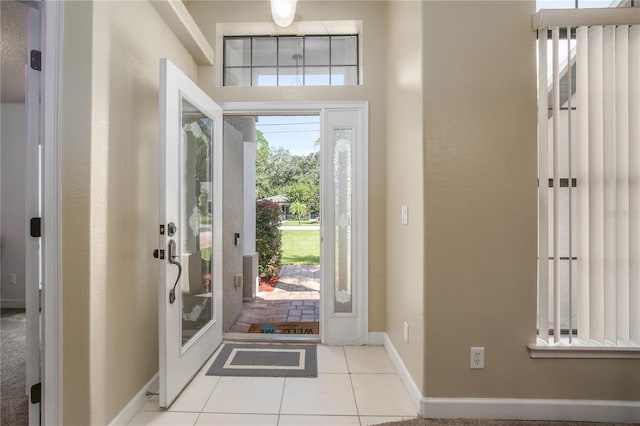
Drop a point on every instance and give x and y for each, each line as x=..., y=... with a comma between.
x=361, y=265
x=52, y=13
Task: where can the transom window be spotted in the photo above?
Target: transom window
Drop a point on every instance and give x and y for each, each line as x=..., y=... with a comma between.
x=312, y=60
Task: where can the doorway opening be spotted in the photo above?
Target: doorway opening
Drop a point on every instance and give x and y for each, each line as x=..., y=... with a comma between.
x=281, y=214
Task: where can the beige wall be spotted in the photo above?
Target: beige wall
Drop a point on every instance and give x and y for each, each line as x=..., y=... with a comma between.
x=405, y=247
x=372, y=14
x=232, y=199
x=109, y=164
x=480, y=212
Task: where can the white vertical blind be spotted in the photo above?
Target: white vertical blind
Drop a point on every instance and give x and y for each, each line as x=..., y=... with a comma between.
x=602, y=138
x=634, y=185
x=543, y=191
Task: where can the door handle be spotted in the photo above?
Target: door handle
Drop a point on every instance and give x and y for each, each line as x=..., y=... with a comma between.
x=172, y=257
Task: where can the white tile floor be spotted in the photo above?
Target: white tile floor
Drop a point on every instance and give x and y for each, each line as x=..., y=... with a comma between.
x=356, y=385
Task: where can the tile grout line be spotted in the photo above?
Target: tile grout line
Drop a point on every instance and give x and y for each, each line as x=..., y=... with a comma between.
x=211, y=393
x=353, y=391
x=284, y=384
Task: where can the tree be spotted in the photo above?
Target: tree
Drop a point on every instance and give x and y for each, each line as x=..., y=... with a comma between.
x=298, y=210
x=278, y=172
x=263, y=154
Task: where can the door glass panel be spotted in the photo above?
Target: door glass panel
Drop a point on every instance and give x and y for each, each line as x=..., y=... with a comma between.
x=195, y=229
x=343, y=146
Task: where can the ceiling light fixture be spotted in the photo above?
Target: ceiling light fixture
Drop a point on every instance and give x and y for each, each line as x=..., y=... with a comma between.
x=283, y=11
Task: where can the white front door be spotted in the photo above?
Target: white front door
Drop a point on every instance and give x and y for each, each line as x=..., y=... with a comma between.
x=190, y=252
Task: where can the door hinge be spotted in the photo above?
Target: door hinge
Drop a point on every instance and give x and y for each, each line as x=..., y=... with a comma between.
x=35, y=227
x=36, y=60
x=36, y=393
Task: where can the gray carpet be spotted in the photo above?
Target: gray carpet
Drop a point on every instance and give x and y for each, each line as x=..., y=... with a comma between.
x=485, y=422
x=14, y=404
x=265, y=360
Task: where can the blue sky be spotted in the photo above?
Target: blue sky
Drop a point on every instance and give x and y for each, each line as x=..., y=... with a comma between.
x=295, y=133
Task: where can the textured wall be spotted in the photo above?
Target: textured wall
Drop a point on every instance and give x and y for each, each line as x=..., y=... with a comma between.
x=481, y=214
x=14, y=221
x=109, y=167
x=232, y=199
x=405, y=245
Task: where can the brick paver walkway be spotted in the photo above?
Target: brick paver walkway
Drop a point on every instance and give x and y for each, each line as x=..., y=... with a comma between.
x=295, y=298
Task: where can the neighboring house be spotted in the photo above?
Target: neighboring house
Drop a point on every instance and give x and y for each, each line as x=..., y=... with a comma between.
x=282, y=201
x=451, y=89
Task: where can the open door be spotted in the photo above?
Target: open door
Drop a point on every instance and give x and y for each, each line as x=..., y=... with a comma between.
x=32, y=210
x=190, y=251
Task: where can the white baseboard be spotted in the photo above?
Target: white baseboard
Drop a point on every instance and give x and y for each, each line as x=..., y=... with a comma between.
x=136, y=404
x=405, y=376
x=376, y=338
x=531, y=409
x=12, y=304
x=508, y=408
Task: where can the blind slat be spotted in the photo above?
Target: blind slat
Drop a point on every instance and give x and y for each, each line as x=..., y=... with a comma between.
x=556, y=183
x=582, y=151
x=596, y=186
x=543, y=191
x=610, y=184
x=622, y=184
x=634, y=184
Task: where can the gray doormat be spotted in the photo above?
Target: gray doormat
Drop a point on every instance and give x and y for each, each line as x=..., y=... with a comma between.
x=265, y=360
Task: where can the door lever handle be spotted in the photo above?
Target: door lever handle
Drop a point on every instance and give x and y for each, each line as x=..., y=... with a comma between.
x=172, y=257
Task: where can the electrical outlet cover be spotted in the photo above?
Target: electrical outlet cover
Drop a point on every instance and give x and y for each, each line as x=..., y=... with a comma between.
x=477, y=358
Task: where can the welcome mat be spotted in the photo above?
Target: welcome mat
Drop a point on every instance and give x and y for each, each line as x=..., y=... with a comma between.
x=262, y=360
x=285, y=328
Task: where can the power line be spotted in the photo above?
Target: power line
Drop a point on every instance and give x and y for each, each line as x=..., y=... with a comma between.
x=291, y=131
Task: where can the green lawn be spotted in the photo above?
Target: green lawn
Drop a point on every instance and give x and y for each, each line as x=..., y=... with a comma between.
x=300, y=247
x=302, y=223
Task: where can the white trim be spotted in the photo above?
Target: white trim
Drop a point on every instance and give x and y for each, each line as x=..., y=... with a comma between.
x=178, y=18
x=32, y=179
x=53, y=24
x=582, y=17
x=285, y=108
x=136, y=404
x=573, y=351
x=531, y=409
x=403, y=372
x=320, y=108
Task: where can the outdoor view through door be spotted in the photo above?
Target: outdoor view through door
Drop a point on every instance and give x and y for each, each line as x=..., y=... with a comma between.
x=283, y=189
x=195, y=241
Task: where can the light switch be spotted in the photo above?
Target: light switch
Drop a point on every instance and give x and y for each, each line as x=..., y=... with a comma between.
x=405, y=215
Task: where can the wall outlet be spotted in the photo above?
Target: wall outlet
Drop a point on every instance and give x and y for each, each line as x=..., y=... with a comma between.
x=406, y=332
x=477, y=357
x=12, y=278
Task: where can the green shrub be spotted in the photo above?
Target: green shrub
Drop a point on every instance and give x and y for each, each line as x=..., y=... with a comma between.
x=268, y=238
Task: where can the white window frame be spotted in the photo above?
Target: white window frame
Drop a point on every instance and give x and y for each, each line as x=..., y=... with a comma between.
x=296, y=28
x=563, y=348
